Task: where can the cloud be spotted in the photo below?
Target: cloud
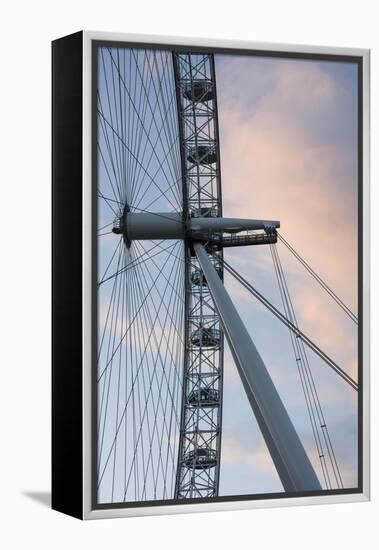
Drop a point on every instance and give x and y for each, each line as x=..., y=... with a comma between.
x=235, y=451
x=278, y=157
x=288, y=143
x=330, y=330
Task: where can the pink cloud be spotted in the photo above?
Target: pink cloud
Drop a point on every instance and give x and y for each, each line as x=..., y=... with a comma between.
x=275, y=166
x=278, y=163
x=234, y=451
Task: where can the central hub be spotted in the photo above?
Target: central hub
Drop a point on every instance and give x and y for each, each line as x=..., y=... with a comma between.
x=148, y=225
x=119, y=225
x=171, y=226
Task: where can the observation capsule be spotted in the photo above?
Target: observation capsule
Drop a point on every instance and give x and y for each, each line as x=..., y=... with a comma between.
x=204, y=212
x=206, y=337
x=202, y=154
x=199, y=91
x=204, y=397
x=200, y=459
x=198, y=277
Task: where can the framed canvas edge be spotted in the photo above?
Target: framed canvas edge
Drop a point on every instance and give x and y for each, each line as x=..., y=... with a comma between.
x=364, y=54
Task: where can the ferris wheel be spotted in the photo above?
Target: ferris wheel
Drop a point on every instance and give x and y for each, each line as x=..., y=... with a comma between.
x=163, y=311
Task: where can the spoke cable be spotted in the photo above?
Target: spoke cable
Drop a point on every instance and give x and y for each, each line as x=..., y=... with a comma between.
x=317, y=419
x=322, y=283
x=346, y=377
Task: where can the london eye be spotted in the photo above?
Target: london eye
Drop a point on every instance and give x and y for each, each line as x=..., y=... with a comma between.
x=164, y=314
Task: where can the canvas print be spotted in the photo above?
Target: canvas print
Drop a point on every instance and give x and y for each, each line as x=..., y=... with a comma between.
x=227, y=266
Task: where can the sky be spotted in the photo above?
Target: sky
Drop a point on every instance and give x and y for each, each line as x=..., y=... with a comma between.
x=288, y=144
x=288, y=139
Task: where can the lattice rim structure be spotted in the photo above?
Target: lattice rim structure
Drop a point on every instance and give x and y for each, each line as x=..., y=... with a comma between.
x=199, y=451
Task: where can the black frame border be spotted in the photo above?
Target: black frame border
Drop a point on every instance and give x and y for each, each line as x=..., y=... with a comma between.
x=67, y=207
